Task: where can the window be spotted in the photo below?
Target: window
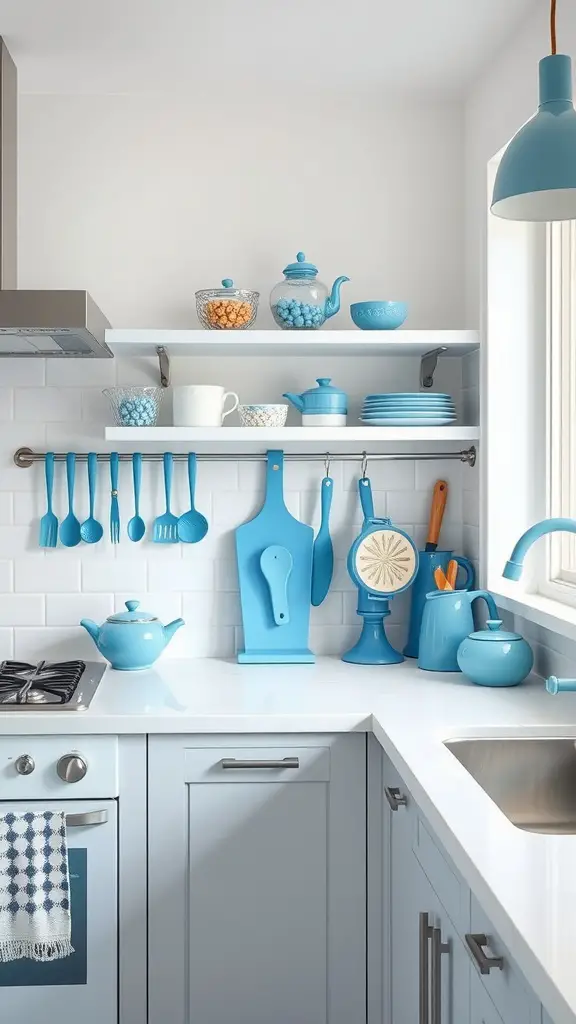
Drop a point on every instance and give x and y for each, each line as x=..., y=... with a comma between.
x=559, y=578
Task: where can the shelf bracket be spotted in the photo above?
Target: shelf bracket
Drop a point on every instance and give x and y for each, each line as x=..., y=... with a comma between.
x=428, y=366
x=164, y=364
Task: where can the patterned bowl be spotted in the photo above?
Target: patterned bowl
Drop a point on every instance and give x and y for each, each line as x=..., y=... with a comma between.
x=262, y=415
x=379, y=316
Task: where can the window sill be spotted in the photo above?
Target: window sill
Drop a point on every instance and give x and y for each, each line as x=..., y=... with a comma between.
x=544, y=611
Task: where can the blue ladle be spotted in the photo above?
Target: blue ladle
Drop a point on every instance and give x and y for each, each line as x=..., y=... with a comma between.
x=70, y=528
x=136, y=526
x=91, y=530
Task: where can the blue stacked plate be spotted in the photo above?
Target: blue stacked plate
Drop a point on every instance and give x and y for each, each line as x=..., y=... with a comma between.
x=408, y=409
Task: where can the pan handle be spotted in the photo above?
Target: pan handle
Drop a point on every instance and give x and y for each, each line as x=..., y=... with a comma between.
x=366, y=499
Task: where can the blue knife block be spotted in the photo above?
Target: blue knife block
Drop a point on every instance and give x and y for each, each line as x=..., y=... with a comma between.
x=266, y=641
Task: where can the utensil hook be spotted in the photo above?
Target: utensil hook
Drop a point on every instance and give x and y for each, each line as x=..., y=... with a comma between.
x=327, y=464
x=364, y=465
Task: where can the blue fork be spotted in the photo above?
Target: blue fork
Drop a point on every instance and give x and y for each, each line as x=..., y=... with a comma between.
x=114, y=509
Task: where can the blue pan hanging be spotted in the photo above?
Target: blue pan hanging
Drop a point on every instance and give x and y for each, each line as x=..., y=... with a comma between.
x=382, y=562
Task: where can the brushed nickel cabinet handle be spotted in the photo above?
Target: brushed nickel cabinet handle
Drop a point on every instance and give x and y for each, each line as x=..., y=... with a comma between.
x=475, y=942
x=425, y=932
x=438, y=948
x=394, y=797
x=284, y=762
x=87, y=818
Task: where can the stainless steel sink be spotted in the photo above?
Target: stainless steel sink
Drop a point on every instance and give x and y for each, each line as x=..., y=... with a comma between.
x=532, y=781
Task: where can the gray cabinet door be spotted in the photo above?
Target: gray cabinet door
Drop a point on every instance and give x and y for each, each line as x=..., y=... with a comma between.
x=428, y=956
x=482, y=1009
x=257, y=881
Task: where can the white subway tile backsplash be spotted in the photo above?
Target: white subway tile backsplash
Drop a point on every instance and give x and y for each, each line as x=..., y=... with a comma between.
x=54, y=643
x=25, y=372
x=68, y=609
x=6, y=576
x=36, y=574
x=182, y=575
x=6, y=404
x=6, y=508
x=43, y=594
x=6, y=644
x=46, y=405
x=22, y=609
x=114, y=575
x=71, y=373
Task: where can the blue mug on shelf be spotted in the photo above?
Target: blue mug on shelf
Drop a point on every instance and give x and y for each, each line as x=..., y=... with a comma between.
x=424, y=583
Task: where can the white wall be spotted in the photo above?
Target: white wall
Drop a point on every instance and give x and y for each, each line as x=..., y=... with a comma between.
x=144, y=199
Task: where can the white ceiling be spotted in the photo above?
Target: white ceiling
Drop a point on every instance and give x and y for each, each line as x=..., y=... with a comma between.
x=428, y=46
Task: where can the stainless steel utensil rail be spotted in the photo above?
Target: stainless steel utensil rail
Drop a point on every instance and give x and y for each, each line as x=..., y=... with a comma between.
x=25, y=457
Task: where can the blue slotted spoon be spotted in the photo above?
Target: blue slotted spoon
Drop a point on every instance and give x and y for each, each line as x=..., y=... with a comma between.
x=49, y=522
x=70, y=528
x=166, y=526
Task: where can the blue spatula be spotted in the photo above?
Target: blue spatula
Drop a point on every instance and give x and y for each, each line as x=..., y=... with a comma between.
x=276, y=564
x=323, y=552
x=166, y=526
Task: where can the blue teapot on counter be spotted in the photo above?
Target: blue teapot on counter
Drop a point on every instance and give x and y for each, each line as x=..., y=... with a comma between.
x=302, y=302
x=318, y=403
x=131, y=640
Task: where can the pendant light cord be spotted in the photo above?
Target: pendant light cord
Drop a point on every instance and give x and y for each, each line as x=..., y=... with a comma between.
x=553, y=26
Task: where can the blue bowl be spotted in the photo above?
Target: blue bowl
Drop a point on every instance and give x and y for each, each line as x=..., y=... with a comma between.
x=378, y=316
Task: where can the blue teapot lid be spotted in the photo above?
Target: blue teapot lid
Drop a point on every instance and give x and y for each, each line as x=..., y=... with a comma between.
x=324, y=388
x=132, y=615
x=301, y=268
x=494, y=632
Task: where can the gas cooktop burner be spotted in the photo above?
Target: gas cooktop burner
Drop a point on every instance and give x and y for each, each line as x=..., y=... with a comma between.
x=48, y=686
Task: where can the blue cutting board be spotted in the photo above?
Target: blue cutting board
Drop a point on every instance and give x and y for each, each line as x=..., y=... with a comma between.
x=264, y=640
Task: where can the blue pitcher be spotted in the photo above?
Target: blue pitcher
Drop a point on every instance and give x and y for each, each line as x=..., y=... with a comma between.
x=425, y=582
x=446, y=622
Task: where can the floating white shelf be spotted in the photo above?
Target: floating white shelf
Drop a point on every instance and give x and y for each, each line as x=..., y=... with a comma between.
x=285, y=343
x=261, y=438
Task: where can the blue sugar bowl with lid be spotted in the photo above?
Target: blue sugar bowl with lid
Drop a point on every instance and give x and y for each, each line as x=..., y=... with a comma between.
x=301, y=301
x=495, y=656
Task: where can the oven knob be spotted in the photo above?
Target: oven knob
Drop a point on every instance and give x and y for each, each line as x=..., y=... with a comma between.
x=71, y=768
x=24, y=764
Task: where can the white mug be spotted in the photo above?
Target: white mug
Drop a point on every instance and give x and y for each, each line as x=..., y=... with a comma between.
x=201, y=405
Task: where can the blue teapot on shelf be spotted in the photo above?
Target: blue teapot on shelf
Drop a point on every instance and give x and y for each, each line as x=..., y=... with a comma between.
x=323, y=406
x=131, y=640
x=300, y=301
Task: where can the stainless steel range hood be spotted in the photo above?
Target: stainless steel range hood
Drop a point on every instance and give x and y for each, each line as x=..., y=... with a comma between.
x=35, y=323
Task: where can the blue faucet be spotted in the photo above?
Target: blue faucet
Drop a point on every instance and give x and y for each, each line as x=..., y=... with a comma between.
x=515, y=564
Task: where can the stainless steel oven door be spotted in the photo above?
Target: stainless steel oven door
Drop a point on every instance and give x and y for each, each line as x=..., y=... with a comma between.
x=83, y=986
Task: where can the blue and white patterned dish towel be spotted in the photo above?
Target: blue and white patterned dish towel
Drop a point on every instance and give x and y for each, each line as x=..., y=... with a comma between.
x=35, y=919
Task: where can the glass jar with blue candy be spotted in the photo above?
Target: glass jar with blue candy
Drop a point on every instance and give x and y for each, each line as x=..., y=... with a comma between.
x=301, y=301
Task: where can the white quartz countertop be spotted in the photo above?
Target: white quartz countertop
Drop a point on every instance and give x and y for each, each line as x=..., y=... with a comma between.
x=525, y=882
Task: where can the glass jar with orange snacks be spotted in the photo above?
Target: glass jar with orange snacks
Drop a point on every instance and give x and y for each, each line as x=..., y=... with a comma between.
x=226, y=308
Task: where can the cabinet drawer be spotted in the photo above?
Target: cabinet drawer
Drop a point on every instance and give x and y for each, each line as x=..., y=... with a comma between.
x=450, y=888
x=257, y=764
x=507, y=988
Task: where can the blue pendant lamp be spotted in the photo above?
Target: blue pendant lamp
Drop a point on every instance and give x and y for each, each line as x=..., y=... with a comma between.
x=536, y=179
